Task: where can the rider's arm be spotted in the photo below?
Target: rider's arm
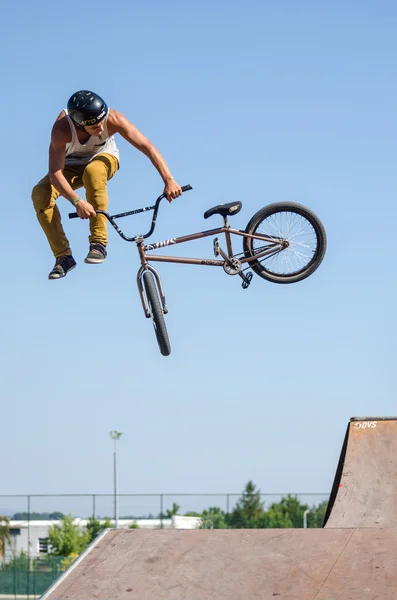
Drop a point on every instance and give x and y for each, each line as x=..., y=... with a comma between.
x=57, y=178
x=120, y=124
x=57, y=164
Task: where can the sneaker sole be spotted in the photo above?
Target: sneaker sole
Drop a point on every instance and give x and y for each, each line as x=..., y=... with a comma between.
x=64, y=275
x=94, y=261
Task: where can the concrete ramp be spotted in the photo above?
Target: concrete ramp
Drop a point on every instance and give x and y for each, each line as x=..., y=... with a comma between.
x=256, y=564
x=364, y=493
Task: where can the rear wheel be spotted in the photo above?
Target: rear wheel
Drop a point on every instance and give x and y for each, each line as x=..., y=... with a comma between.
x=303, y=242
x=156, y=313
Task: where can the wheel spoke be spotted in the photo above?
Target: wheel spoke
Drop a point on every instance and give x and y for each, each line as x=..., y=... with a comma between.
x=300, y=236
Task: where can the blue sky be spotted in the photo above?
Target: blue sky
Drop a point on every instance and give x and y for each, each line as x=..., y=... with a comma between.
x=254, y=101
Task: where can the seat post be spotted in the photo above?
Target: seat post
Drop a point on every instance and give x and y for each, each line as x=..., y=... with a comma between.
x=225, y=221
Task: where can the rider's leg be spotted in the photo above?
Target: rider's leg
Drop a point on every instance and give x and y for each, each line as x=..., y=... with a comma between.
x=44, y=196
x=95, y=177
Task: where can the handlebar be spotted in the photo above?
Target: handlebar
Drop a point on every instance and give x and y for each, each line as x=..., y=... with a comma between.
x=155, y=208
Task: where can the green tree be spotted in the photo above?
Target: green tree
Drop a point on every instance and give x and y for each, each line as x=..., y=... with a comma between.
x=4, y=533
x=316, y=516
x=249, y=510
x=35, y=516
x=288, y=513
x=56, y=516
x=66, y=562
x=173, y=511
x=67, y=537
x=293, y=509
x=213, y=518
x=276, y=518
x=94, y=527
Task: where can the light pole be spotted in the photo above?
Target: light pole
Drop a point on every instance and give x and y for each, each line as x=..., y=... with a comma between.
x=115, y=435
x=305, y=518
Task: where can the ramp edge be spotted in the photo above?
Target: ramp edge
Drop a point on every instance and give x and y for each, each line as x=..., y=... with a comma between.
x=74, y=564
x=338, y=476
x=373, y=419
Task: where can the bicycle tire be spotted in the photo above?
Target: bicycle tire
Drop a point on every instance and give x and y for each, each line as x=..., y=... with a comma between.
x=156, y=313
x=316, y=231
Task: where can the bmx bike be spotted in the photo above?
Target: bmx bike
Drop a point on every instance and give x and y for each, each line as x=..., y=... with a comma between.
x=284, y=242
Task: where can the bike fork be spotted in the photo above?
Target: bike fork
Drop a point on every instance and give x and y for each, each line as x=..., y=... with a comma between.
x=159, y=287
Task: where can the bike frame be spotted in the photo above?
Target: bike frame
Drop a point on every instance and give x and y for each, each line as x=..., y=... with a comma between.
x=228, y=261
x=226, y=229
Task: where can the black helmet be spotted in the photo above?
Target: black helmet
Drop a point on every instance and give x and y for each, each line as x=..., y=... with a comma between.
x=86, y=108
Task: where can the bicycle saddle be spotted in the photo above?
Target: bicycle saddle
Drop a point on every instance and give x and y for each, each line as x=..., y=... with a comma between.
x=226, y=210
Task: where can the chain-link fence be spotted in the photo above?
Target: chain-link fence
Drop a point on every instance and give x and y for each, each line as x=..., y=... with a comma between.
x=29, y=578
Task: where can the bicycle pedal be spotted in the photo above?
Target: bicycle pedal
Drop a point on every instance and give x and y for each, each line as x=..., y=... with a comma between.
x=247, y=281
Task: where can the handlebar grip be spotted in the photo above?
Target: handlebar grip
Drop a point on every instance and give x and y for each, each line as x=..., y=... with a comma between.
x=73, y=215
x=186, y=188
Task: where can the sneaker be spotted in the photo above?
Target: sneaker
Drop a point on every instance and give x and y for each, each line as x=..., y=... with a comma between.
x=63, y=264
x=97, y=253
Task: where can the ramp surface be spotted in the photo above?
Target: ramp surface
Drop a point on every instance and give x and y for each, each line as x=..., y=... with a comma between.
x=364, y=493
x=261, y=564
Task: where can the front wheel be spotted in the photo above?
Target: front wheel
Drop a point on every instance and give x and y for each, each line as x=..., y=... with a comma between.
x=156, y=313
x=301, y=246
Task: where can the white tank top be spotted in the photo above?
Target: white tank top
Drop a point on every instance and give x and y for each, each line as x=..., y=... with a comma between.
x=82, y=154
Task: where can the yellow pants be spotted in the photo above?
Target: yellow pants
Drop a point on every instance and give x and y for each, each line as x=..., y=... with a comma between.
x=94, y=177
